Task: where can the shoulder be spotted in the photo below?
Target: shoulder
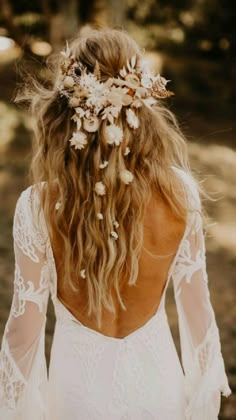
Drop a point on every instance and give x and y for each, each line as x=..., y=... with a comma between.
x=29, y=224
x=190, y=187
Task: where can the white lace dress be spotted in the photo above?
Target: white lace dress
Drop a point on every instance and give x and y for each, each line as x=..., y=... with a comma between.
x=95, y=377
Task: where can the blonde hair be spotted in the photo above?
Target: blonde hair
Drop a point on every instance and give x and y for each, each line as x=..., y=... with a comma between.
x=155, y=146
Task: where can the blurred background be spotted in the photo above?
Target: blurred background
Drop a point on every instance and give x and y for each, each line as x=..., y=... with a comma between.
x=193, y=43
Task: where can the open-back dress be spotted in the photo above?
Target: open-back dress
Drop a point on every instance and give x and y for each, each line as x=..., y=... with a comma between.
x=97, y=377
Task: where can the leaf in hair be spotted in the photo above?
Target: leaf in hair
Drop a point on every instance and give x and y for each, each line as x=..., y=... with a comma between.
x=97, y=71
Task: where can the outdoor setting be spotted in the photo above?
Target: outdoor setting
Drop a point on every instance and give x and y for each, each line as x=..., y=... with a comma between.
x=193, y=45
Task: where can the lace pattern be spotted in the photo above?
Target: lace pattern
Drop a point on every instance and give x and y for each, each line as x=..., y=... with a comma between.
x=11, y=380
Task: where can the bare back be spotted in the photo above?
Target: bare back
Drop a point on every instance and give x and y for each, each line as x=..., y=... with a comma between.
x=162, y=235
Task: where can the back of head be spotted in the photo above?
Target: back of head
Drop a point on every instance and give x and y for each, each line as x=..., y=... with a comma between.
x=103, y=168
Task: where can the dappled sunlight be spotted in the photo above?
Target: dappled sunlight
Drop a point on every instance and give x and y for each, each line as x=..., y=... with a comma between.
x=9, y=119
x=217, y=166
x=223, y=236
x=9, y=50
x=155, y=61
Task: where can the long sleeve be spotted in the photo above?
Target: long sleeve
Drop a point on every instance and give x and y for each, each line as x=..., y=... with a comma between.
x=203, y=365
x=23, y=373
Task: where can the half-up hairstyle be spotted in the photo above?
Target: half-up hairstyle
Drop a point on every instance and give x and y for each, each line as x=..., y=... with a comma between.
x=70, y=175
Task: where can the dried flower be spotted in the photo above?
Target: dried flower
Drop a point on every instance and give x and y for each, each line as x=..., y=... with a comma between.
x=99, y=216
x=132, y=119
x=94, y=100
x=100, y=188
x=91, y=124
x=127, y=151
x=114, y=134
x=78, y=140
x=126, y=176
x=74, y=102
x=132, y=81
x=57, y=205
x=83, y=274
x=68, y=82
x=103, y=164
x=114, y=234
x=146, y=81
x=115, y=224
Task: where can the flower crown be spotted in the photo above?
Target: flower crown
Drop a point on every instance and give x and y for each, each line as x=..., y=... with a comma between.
x=94, y=101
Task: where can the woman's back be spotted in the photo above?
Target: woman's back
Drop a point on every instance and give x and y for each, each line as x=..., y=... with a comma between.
x=162, y=235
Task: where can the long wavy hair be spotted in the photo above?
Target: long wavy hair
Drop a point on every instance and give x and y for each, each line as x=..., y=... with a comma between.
x=70, y=175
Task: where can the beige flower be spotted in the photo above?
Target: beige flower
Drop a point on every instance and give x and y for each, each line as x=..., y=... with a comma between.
x=78, y=140
x=68, y=82
x=99, y=216
x=127, y=100
x=132, y=81
x=100, y=188
x=114, y=234
x=114, y=134
x=126, y=176
x=91, y=124
x=83, y=274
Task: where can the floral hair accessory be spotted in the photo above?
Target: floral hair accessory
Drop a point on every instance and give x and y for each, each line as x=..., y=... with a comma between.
x=94, y=101
x=114, y=235
x=100, y=188
x=99, y=216
x=83, y=273
x=126, y=176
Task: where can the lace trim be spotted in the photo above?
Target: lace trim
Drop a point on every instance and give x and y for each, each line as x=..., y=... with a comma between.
x=30, y=293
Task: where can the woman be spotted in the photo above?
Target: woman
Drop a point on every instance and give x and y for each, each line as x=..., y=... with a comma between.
x=113, y=214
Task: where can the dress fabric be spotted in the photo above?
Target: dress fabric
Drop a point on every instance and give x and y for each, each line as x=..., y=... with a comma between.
x=93, y=376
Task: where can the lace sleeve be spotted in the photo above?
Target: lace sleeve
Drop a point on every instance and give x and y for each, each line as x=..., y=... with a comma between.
x=23, y=375
x=201, y=355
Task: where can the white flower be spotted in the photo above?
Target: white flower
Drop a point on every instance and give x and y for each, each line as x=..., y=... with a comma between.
x=78, y=140
x=117, y=96
x=99, y=216
x=100, y=188
x=57, y=205
x=132, y=119
x=68, y=82
x=126, y=176
x=114, y=234
x=103, y=164
x=114, y=134
x=115, y=224
x=91, y=124
x=127, y=151
x=89, y=82
x=83, y=274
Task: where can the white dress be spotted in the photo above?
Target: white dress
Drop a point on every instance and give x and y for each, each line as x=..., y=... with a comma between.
x=96, y=377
